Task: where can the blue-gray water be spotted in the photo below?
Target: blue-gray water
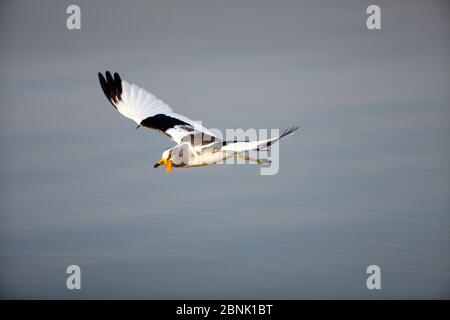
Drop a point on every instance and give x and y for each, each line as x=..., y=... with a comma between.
x=366, y=180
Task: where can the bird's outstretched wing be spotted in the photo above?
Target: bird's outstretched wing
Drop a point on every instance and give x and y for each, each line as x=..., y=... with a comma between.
x=255, y=145
x=148, y=111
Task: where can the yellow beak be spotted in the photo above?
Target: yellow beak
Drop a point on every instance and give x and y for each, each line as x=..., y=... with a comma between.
x=167, y=163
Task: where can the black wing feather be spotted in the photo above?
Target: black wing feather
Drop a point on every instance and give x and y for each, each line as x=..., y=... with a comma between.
x=163, y=123
x=112, y=87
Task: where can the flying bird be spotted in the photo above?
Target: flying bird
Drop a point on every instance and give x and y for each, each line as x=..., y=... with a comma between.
x=195, y=145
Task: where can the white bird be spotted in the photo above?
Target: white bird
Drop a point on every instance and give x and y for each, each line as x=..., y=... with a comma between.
x=195, y=145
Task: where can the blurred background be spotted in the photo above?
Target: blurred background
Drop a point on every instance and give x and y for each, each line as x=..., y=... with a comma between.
x=366, y=180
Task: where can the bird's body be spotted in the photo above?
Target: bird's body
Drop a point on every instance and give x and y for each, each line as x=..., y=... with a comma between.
x=195, y=145
x=197, y=157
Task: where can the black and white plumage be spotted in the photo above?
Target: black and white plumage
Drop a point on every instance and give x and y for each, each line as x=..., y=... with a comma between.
x=196, y=145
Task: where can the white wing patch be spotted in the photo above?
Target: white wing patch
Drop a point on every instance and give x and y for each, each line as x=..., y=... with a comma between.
x=138, y=104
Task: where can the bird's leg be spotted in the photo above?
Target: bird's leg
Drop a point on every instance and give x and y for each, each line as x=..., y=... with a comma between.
x=247, y=158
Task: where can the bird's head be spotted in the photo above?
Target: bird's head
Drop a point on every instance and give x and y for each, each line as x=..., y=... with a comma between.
x=165, y=160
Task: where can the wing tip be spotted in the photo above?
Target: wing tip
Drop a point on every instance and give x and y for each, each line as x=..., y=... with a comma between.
x=111, y=86
x=289, y=131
